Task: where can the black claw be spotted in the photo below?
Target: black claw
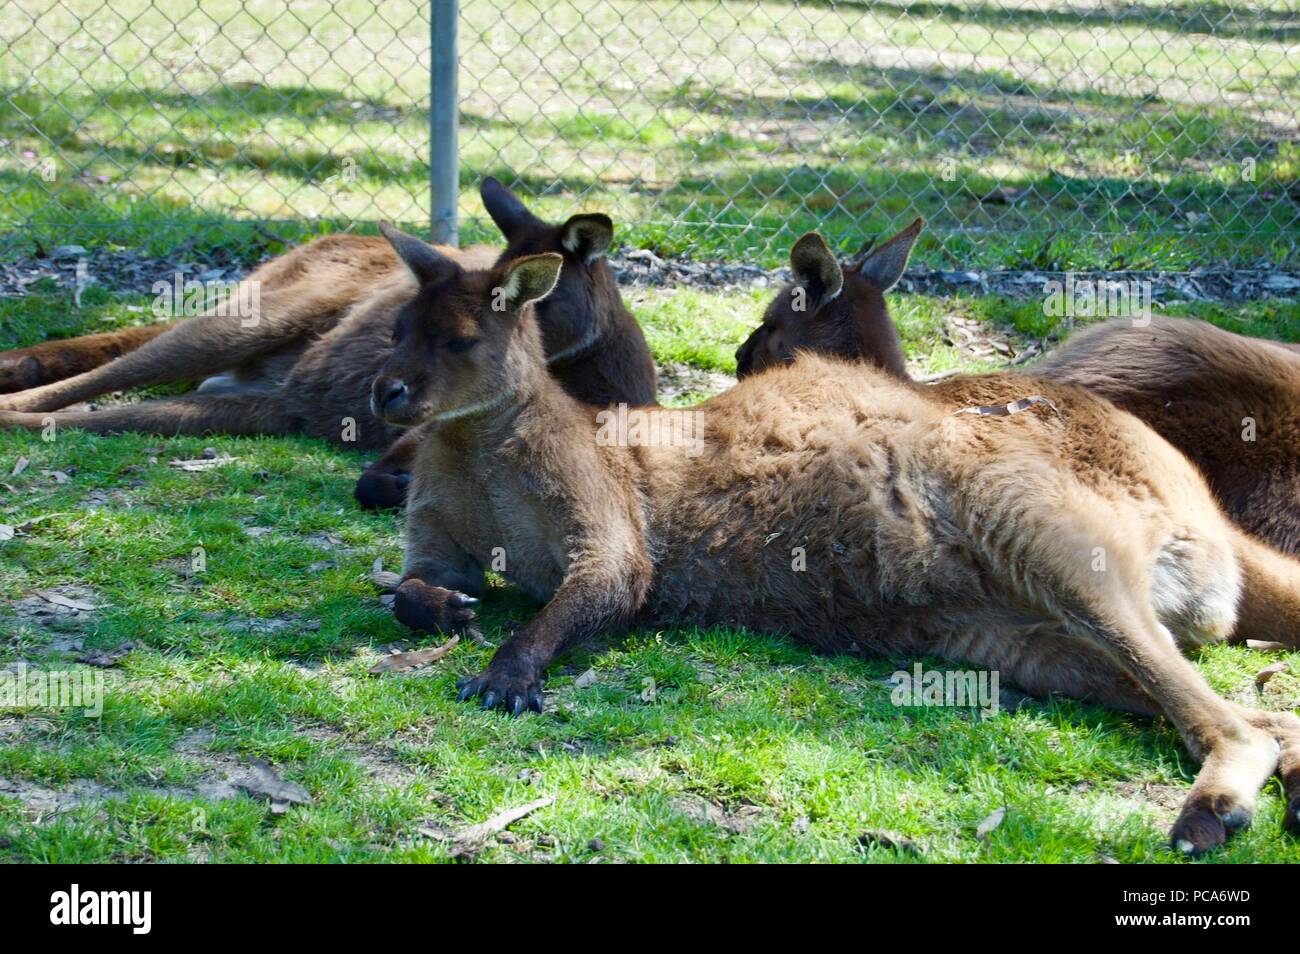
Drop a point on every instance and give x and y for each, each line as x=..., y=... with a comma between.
x=517, y=706
x=465, y=693
x=490, y=699
x=535, y=699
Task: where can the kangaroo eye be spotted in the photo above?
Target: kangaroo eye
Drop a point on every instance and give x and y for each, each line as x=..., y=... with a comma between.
x=461, y=345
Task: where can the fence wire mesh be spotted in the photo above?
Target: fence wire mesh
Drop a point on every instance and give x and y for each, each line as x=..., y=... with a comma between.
x=1029, y=133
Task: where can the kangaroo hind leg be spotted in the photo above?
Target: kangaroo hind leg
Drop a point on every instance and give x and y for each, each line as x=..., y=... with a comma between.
x=51, y=361
x=248, y=413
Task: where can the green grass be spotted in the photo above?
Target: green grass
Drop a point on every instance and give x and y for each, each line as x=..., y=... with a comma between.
x=1154, y=136
x=799, y=753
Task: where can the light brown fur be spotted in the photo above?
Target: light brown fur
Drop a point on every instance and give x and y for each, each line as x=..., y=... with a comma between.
x=925, y=530
x=1230, y=403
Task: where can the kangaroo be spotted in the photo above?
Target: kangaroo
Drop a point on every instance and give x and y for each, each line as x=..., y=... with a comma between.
x=1228, y=402
x=925, y=529
x=594, y=346
x=297, y=366
x=306, y=365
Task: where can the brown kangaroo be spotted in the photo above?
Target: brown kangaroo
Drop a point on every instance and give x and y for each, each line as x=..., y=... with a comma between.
x=594, y=346
x=1068, y=545
x=1230, y=403
x=325, y=327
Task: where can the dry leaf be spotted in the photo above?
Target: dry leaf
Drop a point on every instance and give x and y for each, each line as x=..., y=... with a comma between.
x=386, y=580
x=400, y=662
x=588, y=678
x=470, y=841
x=1013, y=407
x=59, y=476
x=19, y=467
x=6, y=532
x=987, y=826
x=1268, y=672
x=59, y=600
x=1266, y=646
x=266, y=782
x=202, y=463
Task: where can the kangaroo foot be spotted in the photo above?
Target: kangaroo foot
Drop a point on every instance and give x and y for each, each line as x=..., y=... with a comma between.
x=432, y=608
x=1222, y=801
x=511, y=686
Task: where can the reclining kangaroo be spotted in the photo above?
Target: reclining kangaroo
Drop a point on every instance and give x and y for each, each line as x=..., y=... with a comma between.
x=594, y=346
x=324, y=329
x=1076, y=552
x=1230, y=403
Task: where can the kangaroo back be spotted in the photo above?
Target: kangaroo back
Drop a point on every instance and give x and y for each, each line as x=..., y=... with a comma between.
x=1230, y=403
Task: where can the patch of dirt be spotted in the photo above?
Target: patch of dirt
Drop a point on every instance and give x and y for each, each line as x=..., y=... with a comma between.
x=68, y=606
x=702, y=811
x=1164, y=801
x=676, y=380
x=379, y=761
x=131, y=270
x=265, y=626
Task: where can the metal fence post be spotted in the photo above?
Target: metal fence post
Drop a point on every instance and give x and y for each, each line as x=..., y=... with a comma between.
x=444, y=176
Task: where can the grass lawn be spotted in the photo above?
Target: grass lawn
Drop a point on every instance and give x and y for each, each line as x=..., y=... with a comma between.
x=687, y=744
x=1155, y=135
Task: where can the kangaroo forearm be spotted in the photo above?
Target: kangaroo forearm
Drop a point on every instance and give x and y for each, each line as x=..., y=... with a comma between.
x=580, y=610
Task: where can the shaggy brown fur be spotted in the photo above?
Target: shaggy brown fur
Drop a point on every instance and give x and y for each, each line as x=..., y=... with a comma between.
x=1230, y=403
x=1076, y=552
x=325, y=328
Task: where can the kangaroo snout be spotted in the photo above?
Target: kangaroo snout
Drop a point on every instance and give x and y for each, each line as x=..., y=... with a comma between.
x=389, y=397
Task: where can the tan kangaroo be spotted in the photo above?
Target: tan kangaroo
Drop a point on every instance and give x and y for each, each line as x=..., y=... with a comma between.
x=1077, y=552
x=325, y=326
x=594, y=346
x=1230, y=403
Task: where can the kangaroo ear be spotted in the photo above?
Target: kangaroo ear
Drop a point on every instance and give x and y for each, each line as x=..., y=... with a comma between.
x=504, y=206
x=587, y=236
x=426, y=263
x=529, y=279
x=884, y=267
x=815, y=267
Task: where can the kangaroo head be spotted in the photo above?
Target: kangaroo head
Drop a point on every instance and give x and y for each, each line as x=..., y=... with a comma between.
x=464, y=342
x=831, y=309
x=571, y=317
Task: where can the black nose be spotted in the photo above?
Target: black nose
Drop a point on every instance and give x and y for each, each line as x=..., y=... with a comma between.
x=388, y=395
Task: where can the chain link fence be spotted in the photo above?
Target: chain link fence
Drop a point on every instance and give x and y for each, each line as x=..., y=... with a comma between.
x=1029, y=133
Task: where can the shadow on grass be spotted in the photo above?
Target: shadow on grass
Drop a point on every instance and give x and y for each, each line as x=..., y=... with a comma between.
x=1194, y=17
